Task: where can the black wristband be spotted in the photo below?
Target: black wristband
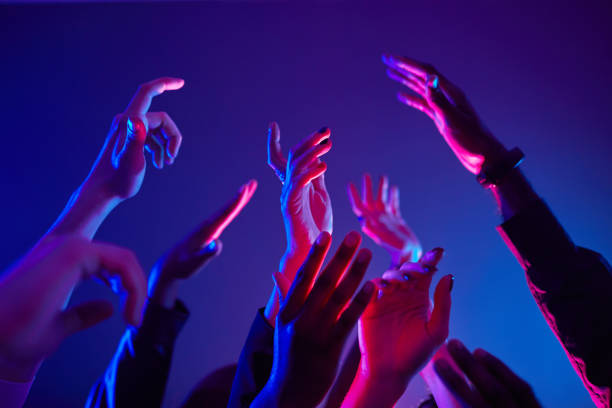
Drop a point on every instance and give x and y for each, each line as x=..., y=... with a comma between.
x=494, y=174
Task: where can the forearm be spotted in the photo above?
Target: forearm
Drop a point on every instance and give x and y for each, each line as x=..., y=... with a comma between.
x=87, y=208
x=368, y=392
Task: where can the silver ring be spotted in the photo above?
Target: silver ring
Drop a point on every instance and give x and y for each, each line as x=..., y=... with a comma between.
x=433, y=82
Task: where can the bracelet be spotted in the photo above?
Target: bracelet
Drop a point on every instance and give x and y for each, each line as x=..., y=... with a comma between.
x=493, y=175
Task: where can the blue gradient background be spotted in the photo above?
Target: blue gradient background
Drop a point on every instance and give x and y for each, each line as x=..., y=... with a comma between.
x=539, y=74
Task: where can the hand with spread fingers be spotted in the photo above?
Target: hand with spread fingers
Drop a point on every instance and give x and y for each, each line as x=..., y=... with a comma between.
x=399, y=332
x=35, y=320
x=120, y=167
x=449, y=108
x=493, y=384
x=382, y=221
x=305, y=203
x=313, y=324
x=191, y=254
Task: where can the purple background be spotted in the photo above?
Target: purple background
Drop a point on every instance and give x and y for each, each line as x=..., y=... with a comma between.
x=538, y=75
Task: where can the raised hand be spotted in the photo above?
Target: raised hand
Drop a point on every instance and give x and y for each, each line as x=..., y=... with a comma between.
x=493, y=384
x=118, y=171
x=305, y=203
x=449, y=108
x=34, y=320
x=120, y=167
x=190, y=255
x=398, y=332
x=313, y=324
x=382, y=221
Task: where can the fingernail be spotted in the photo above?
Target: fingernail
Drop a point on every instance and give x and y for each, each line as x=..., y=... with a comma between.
x=406, y=277
x=442, y=366
x=452, y=283
x=322, y=239
x=455, y=345
x=364, y=256
x=368, y=288
x=324, y=129
x=438, y=250
x=428, y=268
x=352, y=239
x=212, y=246
x=480, y=353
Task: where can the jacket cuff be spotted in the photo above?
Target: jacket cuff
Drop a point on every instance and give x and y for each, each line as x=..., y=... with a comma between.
x=161, y=326
x=538, y=242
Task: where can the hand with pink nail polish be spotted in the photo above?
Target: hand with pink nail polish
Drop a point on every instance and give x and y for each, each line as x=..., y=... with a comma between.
x=34, y=319
x=449, y=108
x=382, y=221
x=399, y=332
x=198, y=248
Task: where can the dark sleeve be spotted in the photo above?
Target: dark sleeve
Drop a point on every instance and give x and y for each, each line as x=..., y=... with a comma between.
x=138, y=372
x=255, y=363
x=573, y=288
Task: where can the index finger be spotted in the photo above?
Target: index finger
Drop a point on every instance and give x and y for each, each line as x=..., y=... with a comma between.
x=141, y=101
x=414, y=67
x=213, y=227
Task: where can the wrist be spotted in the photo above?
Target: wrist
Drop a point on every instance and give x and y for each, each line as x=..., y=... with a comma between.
x=369, y=389
x=85, y=211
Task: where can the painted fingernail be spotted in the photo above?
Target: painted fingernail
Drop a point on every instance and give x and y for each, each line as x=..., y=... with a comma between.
x=212, y=246
x=442, y=367
x=438, y=250
x=364, y=256
x=452, y=283
x=323, y=238
x=480, y=353
x=324, y=129
x=368, y=288
x=352, y=239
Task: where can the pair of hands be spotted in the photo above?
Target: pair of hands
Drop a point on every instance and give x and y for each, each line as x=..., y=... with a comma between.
x=314, y=320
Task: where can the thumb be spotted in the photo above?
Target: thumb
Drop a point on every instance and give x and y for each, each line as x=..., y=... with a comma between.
x=210, y=251
x=282, y=284
x=133, y=132
x=440, y=315
x=83, y=316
